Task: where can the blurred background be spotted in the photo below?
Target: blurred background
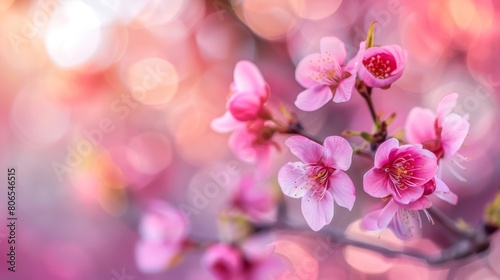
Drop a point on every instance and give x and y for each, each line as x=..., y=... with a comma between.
x=107, y=104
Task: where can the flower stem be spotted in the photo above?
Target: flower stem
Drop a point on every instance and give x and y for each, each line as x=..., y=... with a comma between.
x=449, y=223
x=297, y=128
x=367, y=95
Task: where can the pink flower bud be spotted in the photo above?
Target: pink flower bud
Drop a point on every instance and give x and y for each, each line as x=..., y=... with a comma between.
x=382, y=66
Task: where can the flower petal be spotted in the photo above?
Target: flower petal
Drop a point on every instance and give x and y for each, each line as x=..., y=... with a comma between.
x=293, y=180
x=387, y=214
x=312, y=99
x=240, y=143
x=244, y=106
x=419, y=126
x=337, y=153
x=248, y=78
x=411, y=194
x=153, y=257
x=344, y=90
x=317, y=212
x=304, y=70
x=370, y=221
x=342, y=189
x=420, y=204
x=305, y=149
x=376, y=183
x=406, y=224
x=443, y=192
x=455, y=129
x=226, y=123
x=383, y=152
x=335, y=47
x=445, y=106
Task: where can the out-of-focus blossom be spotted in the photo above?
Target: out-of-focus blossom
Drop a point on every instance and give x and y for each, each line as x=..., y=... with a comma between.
x=254, y=199
x=382, y=66
x=442, y=133
x=400, y=172
x=253, y=143
x=323, y=75
x=163, y=230
x=319, y=179
x=403, y=219
x=229, y=262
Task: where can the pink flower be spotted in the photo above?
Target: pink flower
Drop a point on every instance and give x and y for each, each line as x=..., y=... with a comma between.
x=403, y=219
x=229, y=262
x=437, y=187
x=250, y=92
x=323, y=76
x=163, y=230
x=382, y=66
x=400, y=172
x=442, y=133
x=254, y=199
x=320, y=178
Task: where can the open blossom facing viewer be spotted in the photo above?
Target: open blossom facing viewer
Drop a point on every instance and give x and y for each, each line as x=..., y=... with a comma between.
x=442, y=133
x=400, y=172
x=319, y=179
x=324, y=76
x=382, y=66
x=163, y=231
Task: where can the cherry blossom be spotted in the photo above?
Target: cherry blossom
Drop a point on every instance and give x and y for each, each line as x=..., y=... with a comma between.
x=324, y=76
x=400, y=172
x=442, y=133
x=319, y=178
x=163, y=230
x=382, y=66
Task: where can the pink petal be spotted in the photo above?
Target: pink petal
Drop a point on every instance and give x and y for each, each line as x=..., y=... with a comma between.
x=318, y=69
x=376, y=183
x=241, y=143
x=383, y=152
x=443, y=192
x=455, y=129
x=400, y=60
x=244, y=106
x=333, y=47
x=153, y=257
x=306, y=150
x=342, y=189
x=226, y=123
x=406, y=224
x=419, y=126
x=387, y=214
x=370, y=221
x=445, y=106
x=292, y=180
x=163, y=223
x=344, y=90
x=312, y=99
x=411, y=194
x=303, y=71
x=248, y=78
x=317, y=213
x=420, y=204
x=223, y=261
x=337, y=153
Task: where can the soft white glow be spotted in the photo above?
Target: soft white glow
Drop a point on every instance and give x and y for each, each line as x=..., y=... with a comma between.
x=73, y=35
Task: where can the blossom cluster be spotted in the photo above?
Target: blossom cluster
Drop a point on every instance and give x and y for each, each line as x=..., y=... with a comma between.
x=406, y=171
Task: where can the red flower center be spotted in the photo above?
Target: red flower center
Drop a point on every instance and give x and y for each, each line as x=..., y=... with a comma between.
x=380, y=65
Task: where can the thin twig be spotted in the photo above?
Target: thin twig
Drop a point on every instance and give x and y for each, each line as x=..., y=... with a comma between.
x=449, y=223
